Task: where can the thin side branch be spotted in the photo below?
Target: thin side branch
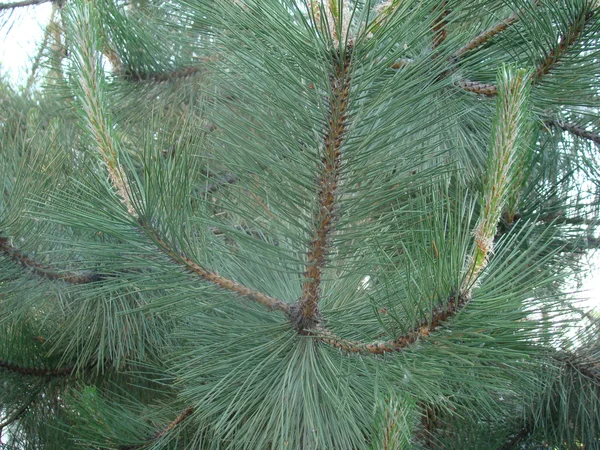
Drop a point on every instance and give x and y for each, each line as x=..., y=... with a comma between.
x=441, y=314
x=476, y=87
x=306, y=311
x=45, y=271
x=546, y=66
x=36, y=371
x=439, y=28
x=589, y=369
x=162, y=77
x=488, y=34
x=159, y=434
x=212, y=277
x=20, y=412
x=516, y=439
x=36, y=62
x=566, y=41
x=574, y=129
x=4, y=6
x=90, y=84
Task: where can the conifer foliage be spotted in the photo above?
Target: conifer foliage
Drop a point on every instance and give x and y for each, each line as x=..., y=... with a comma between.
x=301, y=224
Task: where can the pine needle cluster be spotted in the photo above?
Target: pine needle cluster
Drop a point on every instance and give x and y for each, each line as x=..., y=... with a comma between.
x=301, y=224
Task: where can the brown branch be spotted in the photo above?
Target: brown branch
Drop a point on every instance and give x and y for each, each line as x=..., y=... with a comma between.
x=36, y=371
x=587, y=368
x=546, y=66
x=212, y=277
x=485, y=36
x=4, y=6
x=568, y=39
x=517, y=438
x=305, y=312
x=574, y=129
x=441, y=314
x=162, y=77
x=159, y=434
x=226, y=178
x=488, y=34
x=476, y=87
x=439, y=28
x=19, y=413
x=45, y=271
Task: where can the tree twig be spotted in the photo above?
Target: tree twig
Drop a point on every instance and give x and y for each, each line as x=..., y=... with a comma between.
x=488, y=34
x=440, y=33
x=305, y=313
x=43, y=270
x=574, y=129
x=546, y=66
x=212, y=277
x=19, y=413
x=36, y=371
x=440, y=314
x=4, y=6
x=159, y=434
x=36, y=62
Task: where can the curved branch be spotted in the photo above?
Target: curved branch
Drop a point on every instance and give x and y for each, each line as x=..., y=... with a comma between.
x=488, y=34
x=180, y=418
x=4, y=6
x=476, y=87
x=162, y=77
x=19, y=413
x=567, y=40
x=306, y=310
x=546, y=66
x=45, y=271
x=212, y=277
x=440, y=314
x=36, y=371
x=98, y=122
x=574, y=129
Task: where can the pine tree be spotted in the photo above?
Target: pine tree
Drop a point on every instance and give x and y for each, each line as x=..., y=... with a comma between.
x=301, y=224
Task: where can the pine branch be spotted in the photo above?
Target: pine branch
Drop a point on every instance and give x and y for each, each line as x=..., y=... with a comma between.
x=212, y=277
x=43, y=270
x=440, y=33
x=566, y=41
x=589, y=369
x=517, y=438
x=509, y=130
x=36, y=371
x=574, y=129
x=97, y=121
x=19, y=413
x=508, y=136
x=36, y=62
x=4, y=6
x=159, y=434
x=305, y=313
x=220, y=180
x=476, y=87
x=440, y=315
x=546, y=66
x=162, y=77
x=488, y=34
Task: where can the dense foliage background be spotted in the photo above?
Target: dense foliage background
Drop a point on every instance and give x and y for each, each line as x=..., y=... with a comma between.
x=279, y=224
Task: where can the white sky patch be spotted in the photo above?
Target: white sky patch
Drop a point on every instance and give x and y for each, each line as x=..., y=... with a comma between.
x=21, y=34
